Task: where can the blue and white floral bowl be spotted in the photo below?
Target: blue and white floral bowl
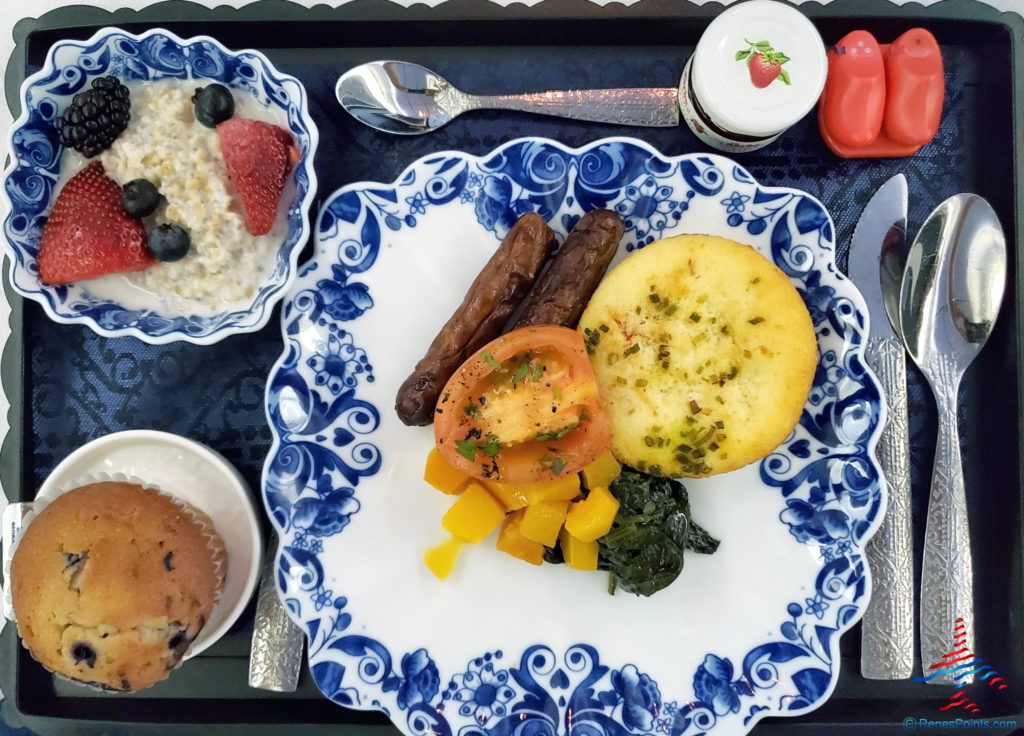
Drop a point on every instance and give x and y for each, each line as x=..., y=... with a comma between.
x=30, y=181
x=501, y=647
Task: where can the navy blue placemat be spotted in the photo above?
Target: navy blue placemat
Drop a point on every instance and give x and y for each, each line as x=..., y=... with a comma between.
x=80, y=386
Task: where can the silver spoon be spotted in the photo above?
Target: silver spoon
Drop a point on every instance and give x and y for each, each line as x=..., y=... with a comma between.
x=407, y=99
x=952, y=288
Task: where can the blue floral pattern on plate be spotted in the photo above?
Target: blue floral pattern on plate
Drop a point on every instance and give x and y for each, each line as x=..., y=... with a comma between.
x=825, y=476
x=32, y=176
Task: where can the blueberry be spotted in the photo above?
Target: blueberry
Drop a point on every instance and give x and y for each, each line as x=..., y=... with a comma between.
x=74, y=560
x=168, y=565
x=214, y=104
x=169, y=242
x=140, y=198
x=180, y=641
x=81, y=652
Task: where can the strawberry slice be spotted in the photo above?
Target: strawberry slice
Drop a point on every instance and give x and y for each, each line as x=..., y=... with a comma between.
x=259, y=156
x=88, y=233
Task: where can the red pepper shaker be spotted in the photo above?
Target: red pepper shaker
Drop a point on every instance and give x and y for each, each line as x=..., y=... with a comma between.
x=916, y=85
x=882, y=100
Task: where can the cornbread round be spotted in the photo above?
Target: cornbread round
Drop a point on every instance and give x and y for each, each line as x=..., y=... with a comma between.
x=704, y=355
x=111, y=582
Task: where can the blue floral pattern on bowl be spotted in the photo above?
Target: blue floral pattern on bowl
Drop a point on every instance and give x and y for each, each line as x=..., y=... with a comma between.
x=31, y=179
x=328, y=455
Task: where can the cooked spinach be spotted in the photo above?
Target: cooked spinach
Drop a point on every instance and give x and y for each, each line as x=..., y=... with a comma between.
x=643, y=552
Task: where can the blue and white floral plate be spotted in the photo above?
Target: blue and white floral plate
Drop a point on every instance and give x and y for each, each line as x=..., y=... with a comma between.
x=503, y=647
x=31, y=179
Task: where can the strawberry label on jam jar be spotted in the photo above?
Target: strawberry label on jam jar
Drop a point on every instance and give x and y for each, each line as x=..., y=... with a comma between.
x=758, y=68
x=764, y=63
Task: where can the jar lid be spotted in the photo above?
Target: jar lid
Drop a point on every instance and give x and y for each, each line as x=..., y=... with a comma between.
x=759, y=67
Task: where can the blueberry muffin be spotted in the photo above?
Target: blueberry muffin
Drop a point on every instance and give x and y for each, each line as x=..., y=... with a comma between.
x=111, y=582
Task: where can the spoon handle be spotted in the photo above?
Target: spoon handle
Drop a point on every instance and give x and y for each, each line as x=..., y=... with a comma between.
x=640, y=107
x=947, y=582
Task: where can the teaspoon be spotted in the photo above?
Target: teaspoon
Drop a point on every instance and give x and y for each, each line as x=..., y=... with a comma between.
x=952, y=288
x=407, y=99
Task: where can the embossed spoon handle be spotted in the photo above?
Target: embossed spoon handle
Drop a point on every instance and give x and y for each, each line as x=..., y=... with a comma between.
x=887, y=644
x=947, y=581
x=640, y=107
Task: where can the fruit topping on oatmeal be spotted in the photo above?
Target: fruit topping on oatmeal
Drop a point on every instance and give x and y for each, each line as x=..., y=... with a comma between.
x=88, y=233
x=259, y=157
x=213, y=104
x=198, y=185
x=169, y=242
x=96, y=117
x=140, y=198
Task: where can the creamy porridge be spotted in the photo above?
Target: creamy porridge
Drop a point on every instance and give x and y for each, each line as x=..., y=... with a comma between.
x=165, y=144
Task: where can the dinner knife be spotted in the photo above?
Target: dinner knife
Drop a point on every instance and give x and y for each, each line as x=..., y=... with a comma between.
x=877, y=256
x=277, y=643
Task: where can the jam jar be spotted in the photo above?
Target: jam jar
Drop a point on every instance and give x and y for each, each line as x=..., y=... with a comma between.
x=758, y=68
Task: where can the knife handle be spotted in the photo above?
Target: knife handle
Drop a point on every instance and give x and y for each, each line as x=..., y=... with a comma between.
x=947, y=579
x=887, y=630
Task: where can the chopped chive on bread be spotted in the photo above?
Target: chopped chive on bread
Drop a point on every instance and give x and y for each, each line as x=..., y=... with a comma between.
x=704, y=354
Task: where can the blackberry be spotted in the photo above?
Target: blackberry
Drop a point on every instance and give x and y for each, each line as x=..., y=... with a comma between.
x=96, y=117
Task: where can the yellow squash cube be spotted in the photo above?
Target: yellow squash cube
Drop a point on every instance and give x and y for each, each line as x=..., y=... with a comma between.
x=441, y=559
x=513, y=496
x=512, y=541
x=578, y=555
x=520, y=495
x=542, y=521
x=564, y=489
x=443, y=475
x=602, y=471
x=592, y=517
x=474, y=515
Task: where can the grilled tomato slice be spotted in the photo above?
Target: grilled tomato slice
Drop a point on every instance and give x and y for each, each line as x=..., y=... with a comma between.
x=523, y=409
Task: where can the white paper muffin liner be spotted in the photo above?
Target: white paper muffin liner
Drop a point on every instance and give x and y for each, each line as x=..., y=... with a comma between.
x=209, y=531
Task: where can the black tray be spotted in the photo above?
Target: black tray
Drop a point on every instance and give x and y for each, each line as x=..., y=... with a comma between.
x=67, y=386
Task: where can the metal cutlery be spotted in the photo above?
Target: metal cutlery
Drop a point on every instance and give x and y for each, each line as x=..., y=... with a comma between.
x=951, y=291
x=877, y=256
x=407, y=99
x=277, y=643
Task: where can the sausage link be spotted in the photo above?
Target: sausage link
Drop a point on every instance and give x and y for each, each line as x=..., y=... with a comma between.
x=564, y=289
x=494, y=295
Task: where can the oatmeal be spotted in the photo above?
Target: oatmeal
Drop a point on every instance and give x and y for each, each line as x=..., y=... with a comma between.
x=166, y=145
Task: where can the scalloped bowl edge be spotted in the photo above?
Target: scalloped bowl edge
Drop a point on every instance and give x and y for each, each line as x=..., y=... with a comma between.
x=266, y=308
